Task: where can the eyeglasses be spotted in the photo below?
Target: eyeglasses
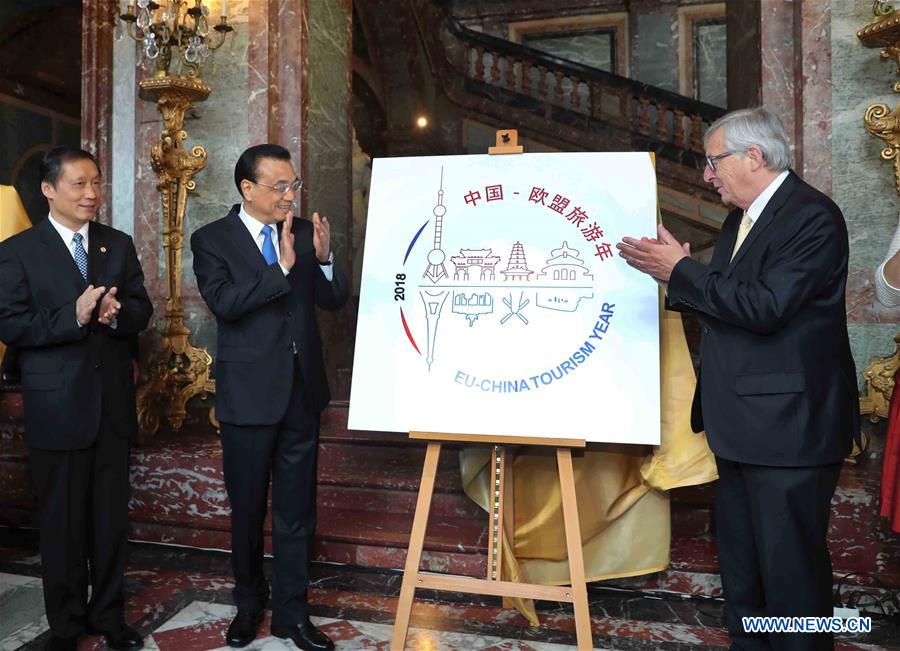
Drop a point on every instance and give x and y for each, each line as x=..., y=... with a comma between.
x=283, y=188
x=711, y=160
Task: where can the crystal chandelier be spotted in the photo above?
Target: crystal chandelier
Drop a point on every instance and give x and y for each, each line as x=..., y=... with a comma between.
x=174, y=33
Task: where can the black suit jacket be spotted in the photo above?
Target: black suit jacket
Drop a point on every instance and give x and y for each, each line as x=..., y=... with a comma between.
x=777, y=381
x=71, y=376
x=260, y=315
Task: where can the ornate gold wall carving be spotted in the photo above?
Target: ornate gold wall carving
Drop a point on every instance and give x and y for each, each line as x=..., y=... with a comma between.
x=883, y=123
x=178, y=370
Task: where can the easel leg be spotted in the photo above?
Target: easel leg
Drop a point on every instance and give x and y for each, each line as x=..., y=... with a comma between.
x=416, y=542
x=573, y=543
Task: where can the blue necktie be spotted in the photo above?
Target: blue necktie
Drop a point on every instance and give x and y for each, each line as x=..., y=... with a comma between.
x=80, y=254
x=268, y=249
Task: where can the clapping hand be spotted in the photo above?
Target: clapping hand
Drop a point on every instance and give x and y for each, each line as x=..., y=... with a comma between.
x=85, y=304
x=288, y=255
x=109, y=307
x=321, y=238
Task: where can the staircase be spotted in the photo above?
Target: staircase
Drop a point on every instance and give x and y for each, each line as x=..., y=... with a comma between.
x=573, y=107
x=419, y=51
x=368, y=483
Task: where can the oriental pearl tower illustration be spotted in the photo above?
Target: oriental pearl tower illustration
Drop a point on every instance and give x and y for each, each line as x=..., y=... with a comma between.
x=436, y=269
x=434, y=299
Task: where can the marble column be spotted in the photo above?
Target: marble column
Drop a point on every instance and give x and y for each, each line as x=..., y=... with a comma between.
x=778, y=71
x=96, y=91
x=795, y=42
x=125, y=53
x=815, y=86
x=744, y=61
x=278, y=62
x=330, y=150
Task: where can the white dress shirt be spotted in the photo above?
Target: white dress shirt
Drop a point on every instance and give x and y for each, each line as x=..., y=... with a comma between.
x=256, y=231
x=759, y=204
x=67, y=234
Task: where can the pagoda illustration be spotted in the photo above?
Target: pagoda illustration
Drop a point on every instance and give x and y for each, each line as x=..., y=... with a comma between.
x=565, y=264
x=517, y=269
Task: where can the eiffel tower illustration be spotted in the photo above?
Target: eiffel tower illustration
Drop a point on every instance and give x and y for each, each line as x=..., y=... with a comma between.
x=436, y=269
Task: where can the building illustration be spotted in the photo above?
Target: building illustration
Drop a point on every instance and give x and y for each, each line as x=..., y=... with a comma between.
x=472, y=305
x=562, y=285
x=474, y=265
x=565, y=264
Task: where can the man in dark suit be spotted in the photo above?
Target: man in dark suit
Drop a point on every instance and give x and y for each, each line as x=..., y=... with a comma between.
x=263, y=274
x=777, y=391
x=72, y=299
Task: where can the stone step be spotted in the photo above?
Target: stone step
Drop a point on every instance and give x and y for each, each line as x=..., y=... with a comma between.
x=368, y=484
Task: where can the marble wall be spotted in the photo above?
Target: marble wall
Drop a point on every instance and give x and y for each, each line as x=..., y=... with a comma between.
x=592, y=48
x=266, y=88
x=708, y=49
x=96, y=92
x=330, y=152
x=124, y=87
x=329, y=132
x=269, y=87
x=820, y=79
x=863, y=184
x=220, y=125
x=654, y=50
x=796, y=82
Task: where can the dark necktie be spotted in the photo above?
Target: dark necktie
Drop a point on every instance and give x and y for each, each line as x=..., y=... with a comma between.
x=80, y=254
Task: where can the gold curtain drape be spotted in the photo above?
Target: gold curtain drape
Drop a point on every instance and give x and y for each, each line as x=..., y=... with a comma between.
x=13, y=219
x=623, y=506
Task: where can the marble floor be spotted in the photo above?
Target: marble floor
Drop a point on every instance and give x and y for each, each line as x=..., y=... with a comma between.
x=180, y=600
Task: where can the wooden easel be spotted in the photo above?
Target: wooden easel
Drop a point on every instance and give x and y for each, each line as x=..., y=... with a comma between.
x=413, y=578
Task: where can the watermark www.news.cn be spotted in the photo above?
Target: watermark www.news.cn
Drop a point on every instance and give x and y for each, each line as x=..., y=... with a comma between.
x=807, y=624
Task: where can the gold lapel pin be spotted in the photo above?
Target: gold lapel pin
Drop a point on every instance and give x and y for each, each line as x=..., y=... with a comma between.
x=102, y=249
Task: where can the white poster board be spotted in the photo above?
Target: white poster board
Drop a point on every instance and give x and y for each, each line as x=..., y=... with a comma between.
x=493, y=300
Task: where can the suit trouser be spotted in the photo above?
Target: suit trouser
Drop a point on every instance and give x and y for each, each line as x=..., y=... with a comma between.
x=289, y=450
x=771, y=530
x=83, y=501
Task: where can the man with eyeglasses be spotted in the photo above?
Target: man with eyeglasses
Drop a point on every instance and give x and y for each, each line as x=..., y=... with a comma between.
x=777, y=391
x=262, y=273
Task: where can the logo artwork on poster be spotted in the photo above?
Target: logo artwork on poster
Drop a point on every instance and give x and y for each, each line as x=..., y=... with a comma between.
x=512, y=286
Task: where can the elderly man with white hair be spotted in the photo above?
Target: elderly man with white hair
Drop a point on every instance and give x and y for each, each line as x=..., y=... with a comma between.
x=777, y=392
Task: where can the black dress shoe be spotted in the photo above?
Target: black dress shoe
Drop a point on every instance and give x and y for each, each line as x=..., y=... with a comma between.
x=305, y=636
x=62, y=644
x=120, y=638
x=243, y=628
